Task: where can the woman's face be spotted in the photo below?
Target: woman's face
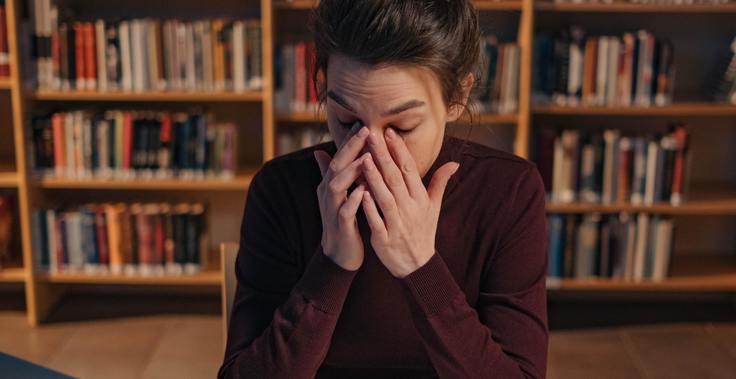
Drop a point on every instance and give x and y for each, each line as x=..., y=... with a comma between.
x=407, y=99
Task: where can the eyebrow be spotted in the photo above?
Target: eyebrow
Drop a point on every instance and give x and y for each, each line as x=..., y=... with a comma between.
x=401, y=108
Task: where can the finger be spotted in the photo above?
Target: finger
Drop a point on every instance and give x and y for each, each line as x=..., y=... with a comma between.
x=350, y=207
x=439, y=181
x=385, y=163
x=380, y=192
x=348, y=152
x=378, y=228
x=323, y=160
x=345, y=178
x=406, y=163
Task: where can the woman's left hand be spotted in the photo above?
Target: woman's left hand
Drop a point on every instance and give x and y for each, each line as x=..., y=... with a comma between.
x=404, y=239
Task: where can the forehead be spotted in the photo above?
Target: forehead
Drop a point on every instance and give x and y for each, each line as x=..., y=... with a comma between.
x=352, y=78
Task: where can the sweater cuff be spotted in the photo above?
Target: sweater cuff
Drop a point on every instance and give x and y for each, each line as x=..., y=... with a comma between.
x=431, y=287
x=325, y=284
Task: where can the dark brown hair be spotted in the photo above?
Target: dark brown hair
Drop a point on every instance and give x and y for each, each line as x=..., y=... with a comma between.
x=441, y=35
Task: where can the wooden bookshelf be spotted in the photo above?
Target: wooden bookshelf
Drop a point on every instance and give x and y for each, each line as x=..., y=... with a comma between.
x=622, y=7
x=205, y=278
x=8, y=179
x=164, y=96
x=12, y=275
x=5, y=83
x=239, y=183
x=675, y=110
x=43, y=290
x=693, y=273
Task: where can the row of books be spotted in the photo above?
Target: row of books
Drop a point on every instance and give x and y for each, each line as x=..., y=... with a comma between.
x=295, y=90
x=7, y=221
x=125, y=144
x=612, y=168
x=144, y=54
x=726, y=87
x=148, y=239
x=290, y=141
x=619, y=246
x=573, y=69
x=4, y=53
x=498, y=86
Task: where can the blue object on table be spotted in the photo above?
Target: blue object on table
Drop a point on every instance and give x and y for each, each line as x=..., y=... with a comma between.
x=12, y=367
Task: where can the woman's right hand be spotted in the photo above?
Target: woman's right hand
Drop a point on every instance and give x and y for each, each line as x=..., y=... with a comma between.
x=341, y=240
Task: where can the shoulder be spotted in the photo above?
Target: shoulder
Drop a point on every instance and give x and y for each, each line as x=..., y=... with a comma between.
x=486, y=166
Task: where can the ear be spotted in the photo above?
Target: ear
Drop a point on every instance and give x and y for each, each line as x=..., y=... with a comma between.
x=456, y=110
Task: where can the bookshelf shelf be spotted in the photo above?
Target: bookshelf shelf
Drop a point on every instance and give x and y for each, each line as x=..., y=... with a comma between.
x=634, y=8
x=5, y=83
x=8, y=179
x=682, y=109
x=480, y=4
x=695, y=273
x=723, y=207
x=208, y=278
x=239, y=183
x=252, y=96
x=301, y=117
x=12, y=275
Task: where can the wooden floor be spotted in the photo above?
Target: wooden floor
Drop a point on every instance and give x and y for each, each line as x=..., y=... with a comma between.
x=190, y=346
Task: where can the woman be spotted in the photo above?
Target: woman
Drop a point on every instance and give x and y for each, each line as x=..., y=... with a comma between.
x=395, y=251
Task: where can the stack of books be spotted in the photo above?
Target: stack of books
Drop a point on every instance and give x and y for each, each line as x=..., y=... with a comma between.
x=151, y=239
x=572, y=69
x=139, y=55
x=498, y=87
x=620, y=246
x=125, y=144
x=611, y=168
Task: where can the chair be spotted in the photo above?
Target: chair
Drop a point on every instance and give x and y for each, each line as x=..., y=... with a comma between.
x=228, y=253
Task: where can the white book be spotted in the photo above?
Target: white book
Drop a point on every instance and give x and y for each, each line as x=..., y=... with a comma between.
x=575, y=73
x=602, y=71
x=642, y=229
x=513, y=90
x=69, y=143
x=100, y=47
x=181, y=53
x=662, y=248
x=570, y=142
x=191, y=80
x=137, y=63
x=125, y=57
x=613, y=55
x=557, y=167
x=651, y=172
x=238, y=56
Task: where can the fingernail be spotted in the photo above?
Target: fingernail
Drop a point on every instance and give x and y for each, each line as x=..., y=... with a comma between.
x=457, y=166
x=363, y=131
x=390, y=134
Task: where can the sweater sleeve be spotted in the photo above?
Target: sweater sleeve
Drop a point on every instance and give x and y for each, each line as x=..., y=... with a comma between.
x=282, y=320
x=505, y=335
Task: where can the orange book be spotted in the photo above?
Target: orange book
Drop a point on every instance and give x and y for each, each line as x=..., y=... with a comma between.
x=57, y=130
x=112, y=215
x=127, y=140
x=219, y=52
x=589, y=70
x=90, y=64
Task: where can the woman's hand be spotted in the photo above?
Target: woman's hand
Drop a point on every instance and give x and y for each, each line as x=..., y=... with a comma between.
x=404, y=239
x=341, y=240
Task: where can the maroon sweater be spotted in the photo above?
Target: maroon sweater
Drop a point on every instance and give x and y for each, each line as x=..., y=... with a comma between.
x=477, y=309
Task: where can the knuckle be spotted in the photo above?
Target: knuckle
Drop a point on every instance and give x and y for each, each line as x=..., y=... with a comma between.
x=406, y=168
x=334, y=187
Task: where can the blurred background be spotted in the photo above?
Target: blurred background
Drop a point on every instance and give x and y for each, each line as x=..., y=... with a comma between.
x=130, y=131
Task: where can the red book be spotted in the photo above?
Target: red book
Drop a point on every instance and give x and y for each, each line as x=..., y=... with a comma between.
x=127, y=140
x=101, y=229
x=159, y=239
x=81, y=77
x=89, y=55
x=681, y=136
x=57, y=130
x=4, y=57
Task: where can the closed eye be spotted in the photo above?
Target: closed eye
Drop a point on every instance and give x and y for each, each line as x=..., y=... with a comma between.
x=349, y=125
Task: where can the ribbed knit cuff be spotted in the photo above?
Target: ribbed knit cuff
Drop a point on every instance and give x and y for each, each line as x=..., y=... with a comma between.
x=325, y=283
x=431, y=287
